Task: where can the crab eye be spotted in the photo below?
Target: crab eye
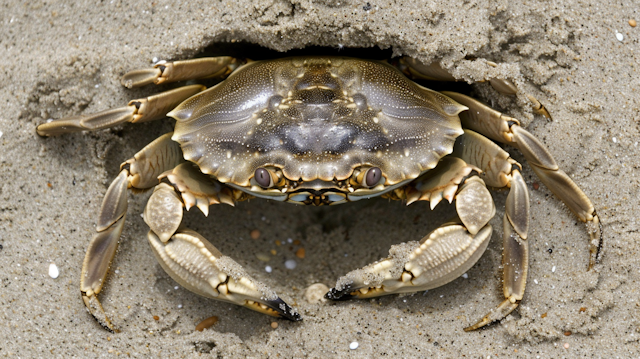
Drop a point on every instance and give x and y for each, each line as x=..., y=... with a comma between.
x=372, y=177
x=263, y=177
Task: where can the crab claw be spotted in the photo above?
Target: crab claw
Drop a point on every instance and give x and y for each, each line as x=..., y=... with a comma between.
x=439, y=258
x=197, y=265
x=277, y=308
x=343, y=294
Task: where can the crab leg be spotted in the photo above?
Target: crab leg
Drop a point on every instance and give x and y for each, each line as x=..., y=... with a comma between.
x=193, y=261
x=435, y=72
x=171, y=71
x=139, y=172
x=498, y=170
x=140, y=110
x=499, y=127
x=438, y=258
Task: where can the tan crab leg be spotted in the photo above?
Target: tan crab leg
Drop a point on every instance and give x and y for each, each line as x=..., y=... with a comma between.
x=150, y=108
x=167, y=71
x=435, y=72
x=507, y=87
x=139, y=172
x=499, y=127
x=193, y=261
x=140, y=110
x=438, y=258
x=498, y=170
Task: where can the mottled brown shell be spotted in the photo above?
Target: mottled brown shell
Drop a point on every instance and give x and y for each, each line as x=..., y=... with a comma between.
x=316, y=118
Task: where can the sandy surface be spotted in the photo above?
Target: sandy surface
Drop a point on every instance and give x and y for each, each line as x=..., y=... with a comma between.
x=61, y=59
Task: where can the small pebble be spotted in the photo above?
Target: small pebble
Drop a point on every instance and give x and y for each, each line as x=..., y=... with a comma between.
x=566, y=345
x=315, y=293
x=290, y=264
x=265, y=257
x=255, y=234
x=274, y=325
x=268, y=269
x=206, y=323
x=155, y=317
x=353, y=345
x=619, y=36
x=633, y=23
x=553, y=269
x=465, y=276
x=0, y=133
x=53, y=271
x=300, y=253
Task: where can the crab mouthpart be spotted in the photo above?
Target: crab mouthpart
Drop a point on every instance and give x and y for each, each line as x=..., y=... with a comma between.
x=317, y=198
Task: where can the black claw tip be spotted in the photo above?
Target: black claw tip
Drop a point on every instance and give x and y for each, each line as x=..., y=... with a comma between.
x=343, y=294
x=285, y=310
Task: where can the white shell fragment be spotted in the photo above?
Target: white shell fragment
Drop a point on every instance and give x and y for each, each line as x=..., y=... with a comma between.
x=53, y=271
x=290, y=264
x=619, y=36
x=353, y=345
x=315, y=293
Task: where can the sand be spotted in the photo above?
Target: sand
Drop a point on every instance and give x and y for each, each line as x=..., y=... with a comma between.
x=579, y=58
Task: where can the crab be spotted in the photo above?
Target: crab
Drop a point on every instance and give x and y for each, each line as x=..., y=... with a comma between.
x=322, y=131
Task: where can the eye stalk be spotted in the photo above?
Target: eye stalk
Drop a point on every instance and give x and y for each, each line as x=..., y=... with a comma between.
x=263, y=177
x=267, y=177
x=369, y=177
x=372, y=177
